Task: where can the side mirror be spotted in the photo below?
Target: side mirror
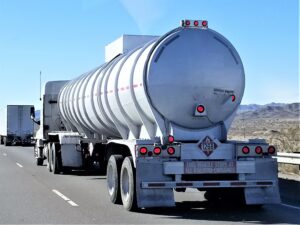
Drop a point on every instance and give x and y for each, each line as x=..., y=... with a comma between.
x=32, y=112
x=32, y=116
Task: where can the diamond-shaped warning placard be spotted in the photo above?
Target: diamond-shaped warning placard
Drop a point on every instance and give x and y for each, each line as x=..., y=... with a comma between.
x=207, y=145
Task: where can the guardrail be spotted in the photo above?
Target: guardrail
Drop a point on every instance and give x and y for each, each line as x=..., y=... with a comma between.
x=288, y=158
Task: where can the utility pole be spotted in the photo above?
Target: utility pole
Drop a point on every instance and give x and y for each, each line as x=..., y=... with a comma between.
x=40, y=85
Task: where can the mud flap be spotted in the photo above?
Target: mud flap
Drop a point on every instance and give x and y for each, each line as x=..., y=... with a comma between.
x=265, y=169
x=268, y=195
x=147, y=198
x=152, y=170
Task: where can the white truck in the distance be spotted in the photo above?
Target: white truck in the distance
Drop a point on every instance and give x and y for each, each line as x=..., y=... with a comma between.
x=16, y=126
x=155, y=117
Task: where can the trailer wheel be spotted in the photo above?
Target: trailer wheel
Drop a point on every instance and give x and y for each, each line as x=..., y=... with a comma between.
x=55, y=159
x=113, y=178
x=39, y=162
x=128, y=189
x=48, y=150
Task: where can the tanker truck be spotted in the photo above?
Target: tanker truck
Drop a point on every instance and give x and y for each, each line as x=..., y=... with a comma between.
x=155, y=118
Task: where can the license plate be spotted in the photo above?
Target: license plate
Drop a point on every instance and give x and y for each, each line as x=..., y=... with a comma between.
x=203, y=167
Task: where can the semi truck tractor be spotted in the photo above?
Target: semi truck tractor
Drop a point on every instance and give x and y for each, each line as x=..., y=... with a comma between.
x=16, y=127
x=155, y=118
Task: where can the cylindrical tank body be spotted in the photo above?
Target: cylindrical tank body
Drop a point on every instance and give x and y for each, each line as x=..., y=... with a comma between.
x=171, y=75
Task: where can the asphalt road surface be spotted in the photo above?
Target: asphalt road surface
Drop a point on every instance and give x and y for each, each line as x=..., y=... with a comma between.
x=31, y=195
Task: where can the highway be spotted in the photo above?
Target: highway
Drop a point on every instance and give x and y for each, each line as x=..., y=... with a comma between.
x=31, y=195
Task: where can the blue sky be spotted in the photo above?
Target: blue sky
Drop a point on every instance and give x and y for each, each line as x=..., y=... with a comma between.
x=65, y=38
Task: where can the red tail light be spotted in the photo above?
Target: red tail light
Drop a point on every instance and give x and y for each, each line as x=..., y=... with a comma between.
x=171, y=139
x=157, y=150
x=187, y=23
x=196, y=23
x=204, y=23
x=143, y=150
x=246, y=150
x=171, y=151
x=271, y=150
x=258, y=150
x=200, y=108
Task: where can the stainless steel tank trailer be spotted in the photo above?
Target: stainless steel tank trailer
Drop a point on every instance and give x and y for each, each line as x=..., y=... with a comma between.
x=155, y=117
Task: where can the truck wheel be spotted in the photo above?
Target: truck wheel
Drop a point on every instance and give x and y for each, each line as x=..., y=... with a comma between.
x=113, y=178
x=6, y=143
x=128, y=192
x=39, y=161
x=56, y=161
x=49, y=166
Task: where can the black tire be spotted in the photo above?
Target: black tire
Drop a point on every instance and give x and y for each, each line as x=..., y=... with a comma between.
x=39, y=161
x=127, y=185
x=56, y=160
x=113, y=178
x=6, y=143
x=49, y=153
x=230, y=196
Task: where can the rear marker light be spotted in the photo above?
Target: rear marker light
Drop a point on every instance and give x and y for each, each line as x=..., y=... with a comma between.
x=171, y=139
x=211, y=184
x=187, y=23
x=232, y=98
x=143, y=150
x=238, y=183
x=196, y=23
x=267, y=183
x=245, y=150
x=157, y=150
x=171, y=151
x=258, y=150
x=271, y=150
x=156, y=185
x=200, y=109
x=204, y=23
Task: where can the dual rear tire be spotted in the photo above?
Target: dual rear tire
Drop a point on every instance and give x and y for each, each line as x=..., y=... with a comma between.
x=121, y=181
x=53, y=158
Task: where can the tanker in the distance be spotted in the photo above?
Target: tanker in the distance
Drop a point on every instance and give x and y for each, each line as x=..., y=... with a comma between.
x=155, y=116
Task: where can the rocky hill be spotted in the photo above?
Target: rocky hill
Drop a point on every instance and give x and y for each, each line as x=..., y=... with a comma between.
x=273, y=110
x=278, y=123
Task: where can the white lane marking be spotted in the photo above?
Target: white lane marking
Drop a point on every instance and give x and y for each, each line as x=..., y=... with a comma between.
x=72, y=203
x=64, y=198
x=19, y=165
x=4, y=154
x=290, y=206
